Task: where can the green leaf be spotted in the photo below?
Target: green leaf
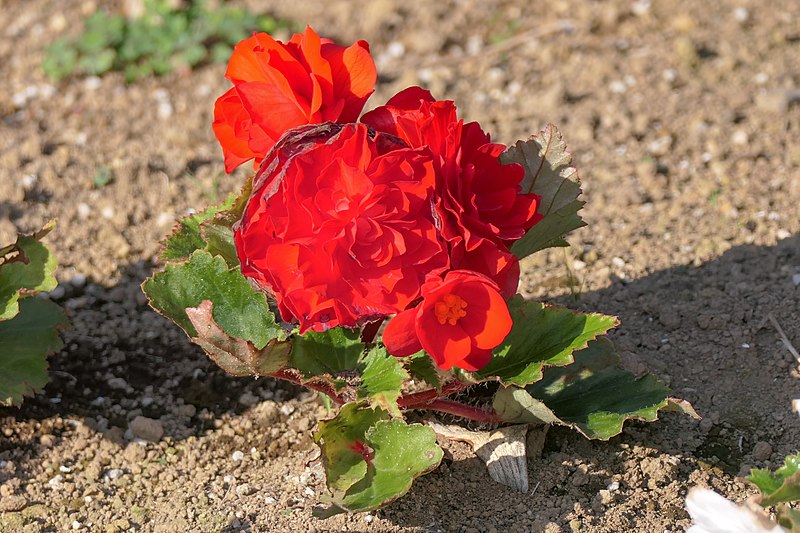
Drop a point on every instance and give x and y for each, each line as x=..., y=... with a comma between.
x=515, y=404
x=26, y=266
x=593, y=395
x=541, y=335
x=344, y=459
x=328, y=352
x=392, y=454
x=219, y=241
x=238, y=308
x=382, y=378
x=236, y=356
x=60, y=60
x=549, y=174
x=788, y=517
x=103, y=177
x=96, y=63
x=25, y=342
x=421, y=367
x=781, y=486
x=187, y=237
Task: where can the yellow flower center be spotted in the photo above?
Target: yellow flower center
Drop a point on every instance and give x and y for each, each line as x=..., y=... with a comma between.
x=449, y=309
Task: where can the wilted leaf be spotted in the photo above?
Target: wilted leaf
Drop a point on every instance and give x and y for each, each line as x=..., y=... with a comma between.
x=548, y=173
x=25, y=342
x=541, y=335
x=592, y=395
x=329, y=352
x=236, y=356
x=240, y=310
x=382, y=378
x=502, y=450
x=781, y=486
x=393, y=452
x=26, y=266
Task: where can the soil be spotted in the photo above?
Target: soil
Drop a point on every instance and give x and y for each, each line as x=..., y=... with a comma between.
x=681, y=119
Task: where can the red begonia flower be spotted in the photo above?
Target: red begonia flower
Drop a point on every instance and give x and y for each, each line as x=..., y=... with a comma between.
x=478, y=199
x=460, y=320
x=278, y=86
x=339, y=226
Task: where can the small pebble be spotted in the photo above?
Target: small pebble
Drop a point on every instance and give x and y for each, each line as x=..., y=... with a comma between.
x=762, y=451
x=368, y=518
x=796, y=279
x=244, y=489
x=84, y=210
x=78, y=281
x=146, y=428
x=229, y=479
x=237, y=456
x=248, y=399
x=741, y=14
x=740, y=137
x=76, y=525
x=114, y=473
x=117, y=383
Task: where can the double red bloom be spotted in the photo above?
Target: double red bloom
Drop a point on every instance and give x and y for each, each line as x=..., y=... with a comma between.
x=478, y=199
x=413, y=216
x=278, y=86
x=339, y=226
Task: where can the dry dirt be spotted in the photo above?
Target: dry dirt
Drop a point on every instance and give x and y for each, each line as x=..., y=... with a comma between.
x=680, y=117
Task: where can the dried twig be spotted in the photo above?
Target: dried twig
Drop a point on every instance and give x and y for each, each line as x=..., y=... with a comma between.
x=784, y=338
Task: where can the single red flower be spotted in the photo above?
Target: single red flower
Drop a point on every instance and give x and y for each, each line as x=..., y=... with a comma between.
x=339, y=226
x=460, y=320
x=278, y=86
x=479, y=200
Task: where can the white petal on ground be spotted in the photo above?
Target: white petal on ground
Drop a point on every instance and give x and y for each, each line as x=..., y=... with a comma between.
x=712, y=513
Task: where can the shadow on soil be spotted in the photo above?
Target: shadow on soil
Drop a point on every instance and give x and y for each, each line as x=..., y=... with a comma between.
x=703, y=329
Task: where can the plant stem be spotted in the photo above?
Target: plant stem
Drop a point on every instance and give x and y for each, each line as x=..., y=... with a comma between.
x=464, y=411
x=317, y=385
x=421, y=399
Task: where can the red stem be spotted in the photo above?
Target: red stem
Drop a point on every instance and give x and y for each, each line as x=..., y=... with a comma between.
x=427, y=399
x=464, y=411
x=317, y=385
x=421, y=399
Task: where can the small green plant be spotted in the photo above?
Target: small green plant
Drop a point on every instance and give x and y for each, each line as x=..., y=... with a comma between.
x=102, y=177
x=780, y=488
x=28, y=326
x=162, y=40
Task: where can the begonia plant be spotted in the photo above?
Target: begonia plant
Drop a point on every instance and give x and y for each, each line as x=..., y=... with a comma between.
x=377, y=261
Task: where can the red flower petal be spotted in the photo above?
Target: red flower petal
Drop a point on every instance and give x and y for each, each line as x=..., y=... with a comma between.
x=229, y=115
x=400, y=336
x=284, y=85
